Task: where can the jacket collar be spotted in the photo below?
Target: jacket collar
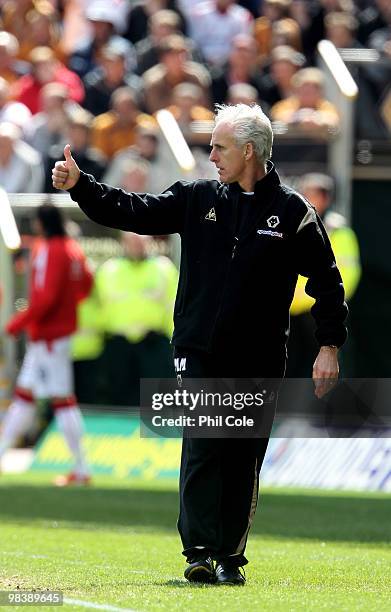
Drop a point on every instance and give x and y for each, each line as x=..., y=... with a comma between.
x=265, y=186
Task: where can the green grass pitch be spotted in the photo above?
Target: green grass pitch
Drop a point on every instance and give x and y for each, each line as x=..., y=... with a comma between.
x=115, y=545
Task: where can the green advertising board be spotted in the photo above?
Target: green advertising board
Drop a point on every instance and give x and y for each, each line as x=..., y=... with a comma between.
x=113, y=446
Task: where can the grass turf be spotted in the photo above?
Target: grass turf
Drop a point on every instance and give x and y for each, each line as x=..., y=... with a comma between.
x=116, y=544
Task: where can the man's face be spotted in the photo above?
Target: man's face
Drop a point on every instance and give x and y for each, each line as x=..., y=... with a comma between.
x=174, y=61
x=318, y=198
x=340, y=36
x=244, y=53
x=126, y=109
x=135, y=246
x=114, y=68
x=282, y=71
x=45, y=71
x=309, y=95
x=227, y=156
x=223, y=5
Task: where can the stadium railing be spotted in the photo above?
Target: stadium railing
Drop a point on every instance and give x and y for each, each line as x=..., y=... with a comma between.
x=342, y=91
x=9, y=243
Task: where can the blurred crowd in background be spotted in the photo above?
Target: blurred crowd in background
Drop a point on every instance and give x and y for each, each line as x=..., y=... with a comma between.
x=94, y=72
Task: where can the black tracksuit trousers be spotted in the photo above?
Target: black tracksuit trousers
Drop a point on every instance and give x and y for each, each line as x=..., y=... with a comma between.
x=219, y=478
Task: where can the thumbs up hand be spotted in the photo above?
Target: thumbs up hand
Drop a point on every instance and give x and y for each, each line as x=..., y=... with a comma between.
x=66, y=173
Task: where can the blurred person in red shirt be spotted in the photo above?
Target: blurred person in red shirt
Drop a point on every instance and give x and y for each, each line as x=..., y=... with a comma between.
x=60, y=278
x=45, y=69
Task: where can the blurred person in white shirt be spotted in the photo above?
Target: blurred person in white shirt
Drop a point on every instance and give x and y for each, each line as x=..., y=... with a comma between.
x=214, y=23
x=21, y=168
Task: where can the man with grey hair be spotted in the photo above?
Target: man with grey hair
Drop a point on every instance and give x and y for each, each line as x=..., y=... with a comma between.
x=245, y=238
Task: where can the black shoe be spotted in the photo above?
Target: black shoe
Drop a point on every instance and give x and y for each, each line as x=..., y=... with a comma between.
x=200, y=570
x=227, y=573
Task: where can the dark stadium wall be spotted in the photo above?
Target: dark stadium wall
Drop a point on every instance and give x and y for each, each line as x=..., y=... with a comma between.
x=370, y=318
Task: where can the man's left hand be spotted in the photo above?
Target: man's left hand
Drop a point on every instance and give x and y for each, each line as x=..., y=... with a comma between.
x=325, y=370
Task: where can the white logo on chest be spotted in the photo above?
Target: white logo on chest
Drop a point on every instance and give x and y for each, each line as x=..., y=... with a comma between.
x=211, y=215
x=273, y=221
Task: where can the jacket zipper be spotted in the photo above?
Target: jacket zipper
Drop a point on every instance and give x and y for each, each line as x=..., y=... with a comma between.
x=234, y=246
x=236, y=239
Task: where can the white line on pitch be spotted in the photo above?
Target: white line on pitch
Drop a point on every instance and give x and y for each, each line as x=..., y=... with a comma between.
x=95, y=606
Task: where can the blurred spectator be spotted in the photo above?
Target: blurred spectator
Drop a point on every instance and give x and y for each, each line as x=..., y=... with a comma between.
x=272, y=11
x=313, y=27
x=307, y=109
x=47, y=128
x=187, y=108
x=137, y=294
x=286, y=32
x=87, y=348
x=318, y=189
x=174, y=68
x=160, y=25
x=242, y=67
x=87, y=342
x=140, y=14
x=10, y=111
x=45, y=69
x=103, y=22
x=186, y=6
x=375, y=16
x=59, y=279
x=214, y=23
x=116, y=129
x=252, y=5
x=341, y=30
x=134, y=175
x=243, y=93
x=14, y=13
x=162, y=172
x=380, y=38
x=20, y=165
x=277, y=83
x=42, y=29
x=10, y=67
x=78, y=135
x=110, y=74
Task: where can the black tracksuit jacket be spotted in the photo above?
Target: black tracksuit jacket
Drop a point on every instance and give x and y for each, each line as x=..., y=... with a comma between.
x=234, y=289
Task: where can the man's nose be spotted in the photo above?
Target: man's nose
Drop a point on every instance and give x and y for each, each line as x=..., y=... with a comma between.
x=212, y=156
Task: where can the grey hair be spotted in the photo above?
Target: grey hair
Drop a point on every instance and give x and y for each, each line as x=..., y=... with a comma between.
x=250, y=125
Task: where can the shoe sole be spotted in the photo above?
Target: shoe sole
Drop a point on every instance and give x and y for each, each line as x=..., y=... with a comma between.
x=226, y=583
x=200, y=574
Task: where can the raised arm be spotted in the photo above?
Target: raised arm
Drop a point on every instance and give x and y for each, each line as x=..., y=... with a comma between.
x=143, y=213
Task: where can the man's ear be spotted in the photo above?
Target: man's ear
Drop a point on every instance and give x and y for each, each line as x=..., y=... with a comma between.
x=249, y=151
